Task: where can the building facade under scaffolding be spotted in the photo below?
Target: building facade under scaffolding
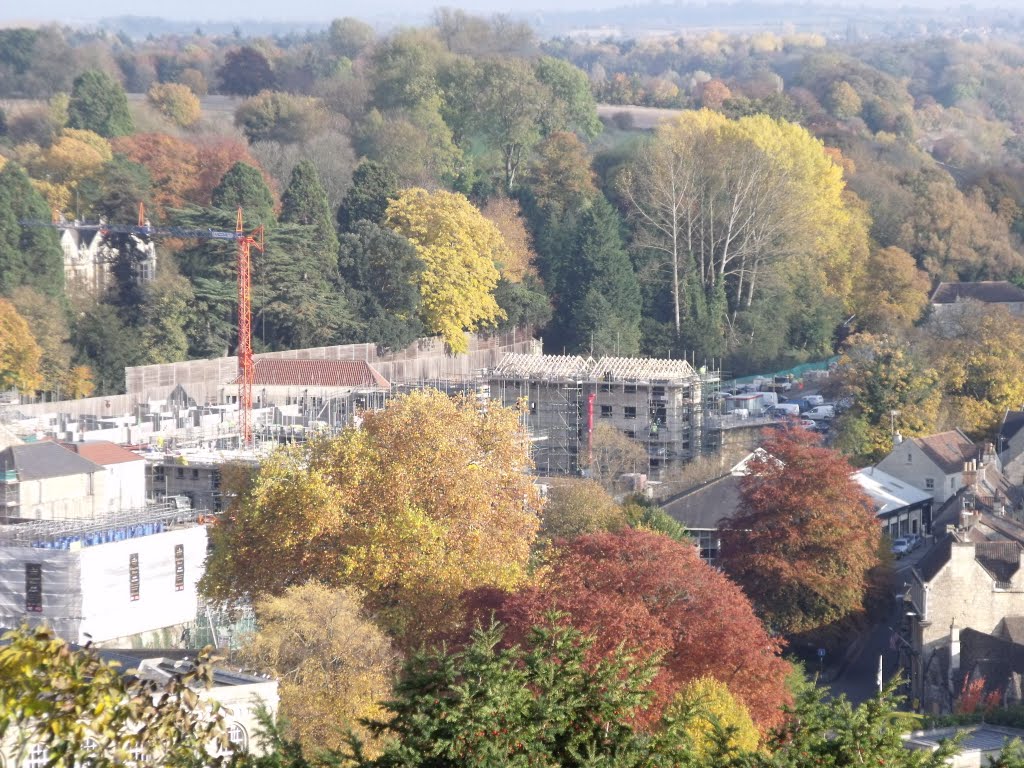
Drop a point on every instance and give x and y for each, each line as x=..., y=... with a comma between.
x=659, y=403
x=127, y=578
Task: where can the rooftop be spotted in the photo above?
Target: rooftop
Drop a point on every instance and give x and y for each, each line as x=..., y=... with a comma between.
x=43, y=460
x=949, y=450
x=606, y=369
x=103, y=452
x=887, y=492
x=984, y=738
x=350, y=374
x=989, y=291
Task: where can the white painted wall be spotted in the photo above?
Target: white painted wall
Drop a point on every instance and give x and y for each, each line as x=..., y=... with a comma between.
x=72, y=496
x=910, y=464
x=107, y=607
x=126, y=485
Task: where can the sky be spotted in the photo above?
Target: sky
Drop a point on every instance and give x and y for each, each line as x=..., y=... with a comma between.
x=324, y=10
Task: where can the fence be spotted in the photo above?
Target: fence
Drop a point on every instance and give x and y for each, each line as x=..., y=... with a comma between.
x=797, y=371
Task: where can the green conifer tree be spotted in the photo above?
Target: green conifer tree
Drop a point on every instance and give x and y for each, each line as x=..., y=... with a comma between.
x=244, y=186
x=99, y=104
x=29, y=255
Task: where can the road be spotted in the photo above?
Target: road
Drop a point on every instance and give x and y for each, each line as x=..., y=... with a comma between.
x=859, y=680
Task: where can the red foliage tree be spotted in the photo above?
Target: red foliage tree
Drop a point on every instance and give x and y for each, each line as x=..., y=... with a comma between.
x=655, y=595
x=173, y=165
x=805, y=537
x=216, y=157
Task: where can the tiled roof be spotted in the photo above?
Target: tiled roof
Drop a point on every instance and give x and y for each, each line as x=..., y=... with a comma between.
x=990, y=291
x=1013, y=628
x=1012, y=423
x=42, y=460
x=317, y=373
x=103, y=452
x=949, y=450
x=1000, y=558
x=888, y=493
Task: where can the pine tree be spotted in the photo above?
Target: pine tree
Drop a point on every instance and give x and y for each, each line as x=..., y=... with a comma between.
x=373, y=185
x=304, y=203
x=99, y=104
x=29, y=255
x=244, y=186
x=600, y=296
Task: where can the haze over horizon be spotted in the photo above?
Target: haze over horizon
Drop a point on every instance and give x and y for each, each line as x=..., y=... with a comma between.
x=408, y=11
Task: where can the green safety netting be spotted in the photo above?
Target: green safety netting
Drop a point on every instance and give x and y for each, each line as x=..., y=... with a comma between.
x=796, y=371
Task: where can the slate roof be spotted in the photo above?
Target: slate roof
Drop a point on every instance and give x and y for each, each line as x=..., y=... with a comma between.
x=1013, y=629
x=1013, y=421
x=103, y=452
x=317, y=373
x=706, y=506
x=935, y=558
x=43, y=460
x=1000, y=558
x=949, y=450
x=989, y=291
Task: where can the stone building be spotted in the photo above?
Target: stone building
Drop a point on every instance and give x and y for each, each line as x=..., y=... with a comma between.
x=90, y=255
x=934, y=464
x=45, y=481
x=959, y=584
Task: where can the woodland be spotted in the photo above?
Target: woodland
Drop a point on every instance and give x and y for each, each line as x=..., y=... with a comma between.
x=838, y=184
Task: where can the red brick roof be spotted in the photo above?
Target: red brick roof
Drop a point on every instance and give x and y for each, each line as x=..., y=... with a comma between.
x=103, y=452
x=317, y=373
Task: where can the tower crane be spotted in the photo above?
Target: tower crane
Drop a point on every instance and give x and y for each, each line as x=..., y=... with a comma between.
x=245, y=242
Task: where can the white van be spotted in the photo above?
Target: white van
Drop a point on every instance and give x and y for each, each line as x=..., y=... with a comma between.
x=821, y=413
x=813, y=400
x=783, y=410
x=769, y=399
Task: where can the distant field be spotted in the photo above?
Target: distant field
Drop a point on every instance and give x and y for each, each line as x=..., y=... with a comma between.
x=644, y=118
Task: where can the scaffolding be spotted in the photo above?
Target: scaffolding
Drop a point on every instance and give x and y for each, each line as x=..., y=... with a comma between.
x=662, y=404
x=66, y=533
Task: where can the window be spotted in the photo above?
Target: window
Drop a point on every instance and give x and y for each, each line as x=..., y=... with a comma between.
x=195, y=474
x=929, y=483
x=630, y=434
x=629, y=389
x=179, y=567
x=630, y=411
x=37, y=757
x=707, y=542
x=606, y=387
x=910, y=458
x=237, y=737
x=133, y=576
x=180, y=473
x=606, y=411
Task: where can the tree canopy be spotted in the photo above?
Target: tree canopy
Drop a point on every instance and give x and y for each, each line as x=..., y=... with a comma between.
x=99, y=104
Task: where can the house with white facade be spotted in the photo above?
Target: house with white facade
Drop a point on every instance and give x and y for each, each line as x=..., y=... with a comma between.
x=900, y=508
x=126, y=472
x=934, y=464
x=45, y=481
x=90, y=254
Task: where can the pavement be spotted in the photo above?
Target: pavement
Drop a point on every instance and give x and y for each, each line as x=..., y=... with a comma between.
x=857, y=676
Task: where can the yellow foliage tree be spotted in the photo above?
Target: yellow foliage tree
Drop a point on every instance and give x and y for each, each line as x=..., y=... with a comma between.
x=76, y=155
x=428, y=499
x=459, y=248
x=706, y=707
x=49, y=322
x=19, y=353
x=893, y=291
x=176, y=102
x=333, y=664
x=576, y=507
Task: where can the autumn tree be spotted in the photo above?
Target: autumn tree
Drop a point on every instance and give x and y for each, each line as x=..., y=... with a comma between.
x=83, y=709
x=708, y=708
x=888, y=383
x=176, y=102
x=843, y=101
x=642, y=590
x=245, y=72
x=613, y=454
x=982, y=361
x=804, y=538
x=173, y=165
x=576, y=507
x=19, y=353
x=48, y=323
x=29, y=255
x=506, y=215
x=893, y=292
x=215, y=157
x=459, y=248
x=413, y=523
x=99, y=104
x=281, y=117
x=334, y=664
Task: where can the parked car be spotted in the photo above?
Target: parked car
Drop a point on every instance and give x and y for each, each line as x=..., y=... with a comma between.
x=915, y=539
x=901, y=547
x=808, y=424
x=820, y=412
x=814, y=400
x=786, y=409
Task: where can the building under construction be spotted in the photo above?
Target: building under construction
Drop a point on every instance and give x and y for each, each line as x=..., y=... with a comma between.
x=660, y=403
